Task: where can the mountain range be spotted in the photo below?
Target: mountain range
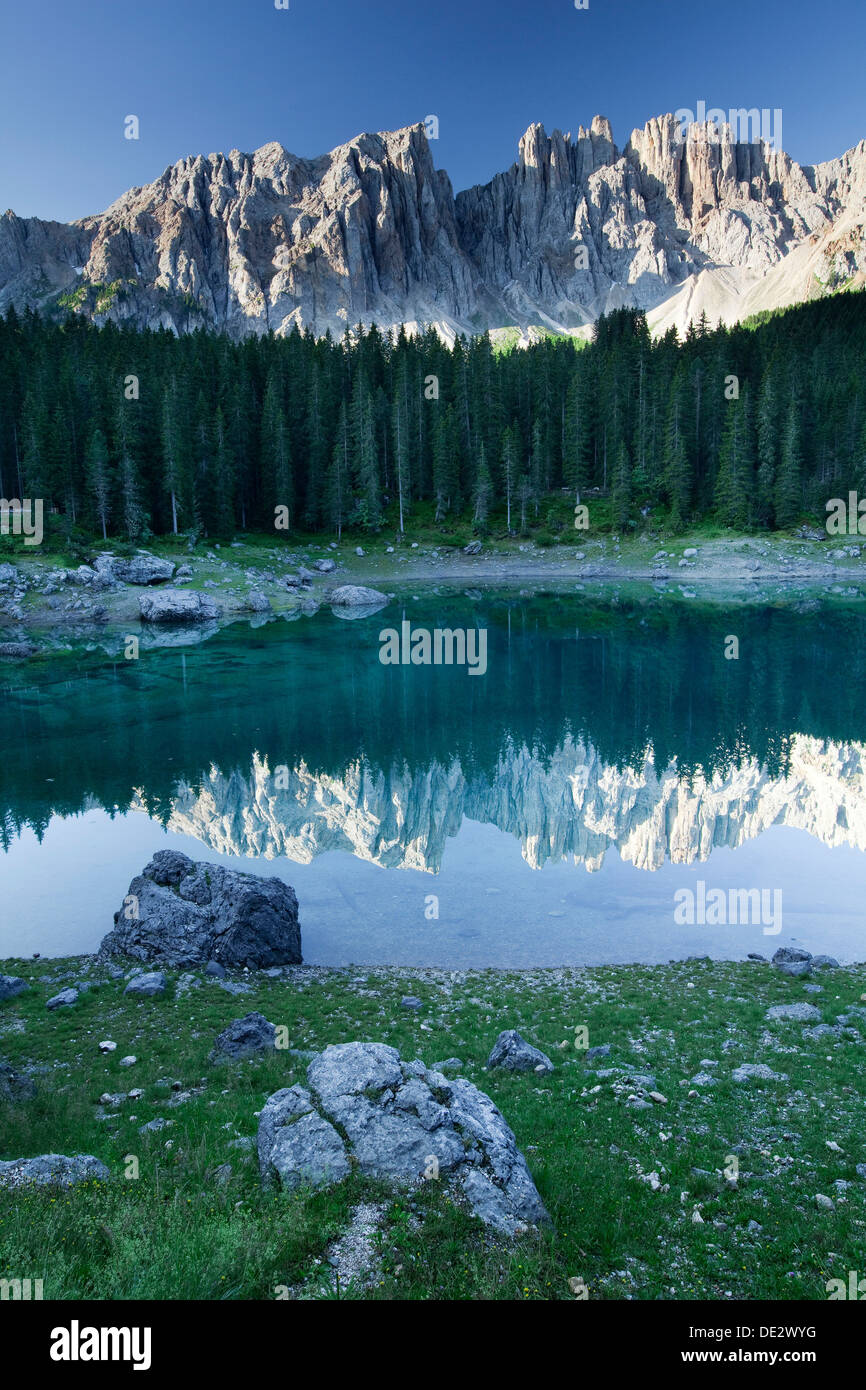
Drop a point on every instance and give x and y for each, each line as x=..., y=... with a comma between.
x=372, y=232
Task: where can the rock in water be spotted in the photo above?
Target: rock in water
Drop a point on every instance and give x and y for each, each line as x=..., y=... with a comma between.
x=181, y=913
x=59, y=1170
x=177, y=606
x=401, y=1123
x=357, y=596
x=514, y=1053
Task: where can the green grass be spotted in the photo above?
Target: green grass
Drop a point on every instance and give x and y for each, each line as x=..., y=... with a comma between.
x=173, y=1232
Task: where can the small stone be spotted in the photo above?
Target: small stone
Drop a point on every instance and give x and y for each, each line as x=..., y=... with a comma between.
x=824, y=1203
x=108, y=1046
x=658, y=1097
x=128, y=1061
x=411, y=1002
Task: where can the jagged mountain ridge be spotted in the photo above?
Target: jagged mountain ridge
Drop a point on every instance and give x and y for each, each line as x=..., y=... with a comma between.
x=372, y=232
x=570, y=806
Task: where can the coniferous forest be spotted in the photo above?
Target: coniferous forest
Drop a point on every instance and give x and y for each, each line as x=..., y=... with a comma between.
x=128, y=434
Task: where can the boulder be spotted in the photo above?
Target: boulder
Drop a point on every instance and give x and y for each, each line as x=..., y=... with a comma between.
x=146, y=986
x=356, y=596
x=244, y=1037
x=800, y=1013
x=13, y=1086
x=824, y=963
x=142, y=568
x=64, y=999
x=181, y=913
x=790, y=960
x=257, y=602
x=325, y=566
x=473, y=548
x=59, y=1170
x=11, y=986
x=402, y=1124
x=177, y=606
x=514, y=1053
x=756, y=1071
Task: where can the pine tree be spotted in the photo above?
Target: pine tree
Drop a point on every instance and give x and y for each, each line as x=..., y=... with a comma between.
x=789, y=485
x=99, y=479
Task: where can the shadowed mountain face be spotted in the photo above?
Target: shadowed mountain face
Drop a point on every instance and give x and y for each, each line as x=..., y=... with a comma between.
x=252, y=243
x=596, y=729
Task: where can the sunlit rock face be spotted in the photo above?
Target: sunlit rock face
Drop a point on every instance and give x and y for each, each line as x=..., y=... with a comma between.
x=570, y=806
x=372, y=232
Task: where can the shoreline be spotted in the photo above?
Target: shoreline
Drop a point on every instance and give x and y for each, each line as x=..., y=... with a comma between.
x=41, y=597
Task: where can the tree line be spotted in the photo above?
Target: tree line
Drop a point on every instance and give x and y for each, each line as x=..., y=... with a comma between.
x=132, y=434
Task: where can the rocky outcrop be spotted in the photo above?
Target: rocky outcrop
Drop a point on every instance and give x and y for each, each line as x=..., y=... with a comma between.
x=177, y=606
x=264, y=242
x=181, y=913
x=400, y=1123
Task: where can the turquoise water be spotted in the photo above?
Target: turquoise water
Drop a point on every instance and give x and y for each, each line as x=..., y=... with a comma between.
x=546, y=812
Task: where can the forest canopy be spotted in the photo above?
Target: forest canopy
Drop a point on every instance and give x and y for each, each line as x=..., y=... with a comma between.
x=133, y=434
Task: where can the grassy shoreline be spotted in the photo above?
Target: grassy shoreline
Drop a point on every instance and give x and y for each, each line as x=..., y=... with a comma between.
x=622, y=1183
x=704, y=566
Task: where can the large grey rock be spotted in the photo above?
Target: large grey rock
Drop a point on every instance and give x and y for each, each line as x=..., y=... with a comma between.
x=142, y=568
x=14, y=1086
x=63, y=1000
x=177, y=606
x=356, y=596
x=59, y=1170
x=401, y=1123
x=824, y=963
x=514, y=1053
x=757, y=1071
x=11, y=986
x=183, y=913
x=244, y=1037
x=801, y=1013
x=147, y=986
x=792, y=960
x=325, y=566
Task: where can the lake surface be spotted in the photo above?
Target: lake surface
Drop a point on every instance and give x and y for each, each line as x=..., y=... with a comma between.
x=611, y=789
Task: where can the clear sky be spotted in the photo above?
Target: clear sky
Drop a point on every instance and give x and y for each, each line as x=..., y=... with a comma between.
x=208, y=75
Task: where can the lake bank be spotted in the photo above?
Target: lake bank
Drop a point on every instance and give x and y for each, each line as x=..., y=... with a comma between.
x=248, y=580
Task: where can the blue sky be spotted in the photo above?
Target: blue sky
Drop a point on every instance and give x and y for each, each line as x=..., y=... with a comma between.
x=207, y=75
